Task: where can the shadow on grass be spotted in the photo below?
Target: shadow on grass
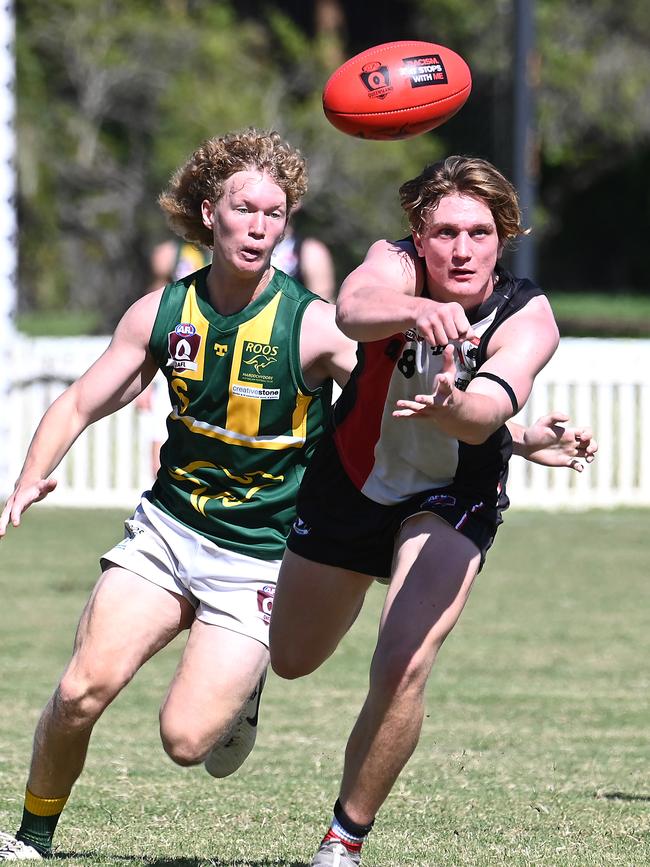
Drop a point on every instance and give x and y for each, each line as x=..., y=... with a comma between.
x=622, y=796
x=96, y=857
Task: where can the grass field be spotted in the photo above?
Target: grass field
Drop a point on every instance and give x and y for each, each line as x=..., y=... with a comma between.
x=535, y=749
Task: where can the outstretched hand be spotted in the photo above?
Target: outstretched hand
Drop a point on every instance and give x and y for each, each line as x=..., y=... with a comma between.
x=550, y=442
x=442, y=394
x=21, y=499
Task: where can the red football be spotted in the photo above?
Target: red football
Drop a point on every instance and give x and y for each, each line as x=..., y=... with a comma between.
x=396, y=90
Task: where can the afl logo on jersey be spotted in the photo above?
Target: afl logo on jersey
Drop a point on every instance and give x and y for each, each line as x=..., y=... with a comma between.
x=185, y=329
x=183, y=345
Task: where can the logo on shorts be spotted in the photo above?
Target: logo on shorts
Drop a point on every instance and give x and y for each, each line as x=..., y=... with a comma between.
x=265, y=602
x=183, y=345
x=133, y=529
x=301, y=528
x=439, y=500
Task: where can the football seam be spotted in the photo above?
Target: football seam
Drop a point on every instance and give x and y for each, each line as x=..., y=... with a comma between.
x=380, y=50
x=397, y=110
x=345, y=68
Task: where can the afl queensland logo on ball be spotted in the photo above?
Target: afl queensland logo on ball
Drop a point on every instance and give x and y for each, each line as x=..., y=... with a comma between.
x=183, y=346
x=376, y=79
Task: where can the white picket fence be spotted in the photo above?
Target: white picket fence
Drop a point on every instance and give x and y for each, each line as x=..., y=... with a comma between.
x=604, y=383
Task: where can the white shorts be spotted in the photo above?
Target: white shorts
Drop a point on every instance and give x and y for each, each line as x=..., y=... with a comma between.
x=227, y=589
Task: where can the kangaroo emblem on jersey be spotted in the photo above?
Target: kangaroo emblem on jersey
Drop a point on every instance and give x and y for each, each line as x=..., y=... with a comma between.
x=257, y=358
x=259, y=362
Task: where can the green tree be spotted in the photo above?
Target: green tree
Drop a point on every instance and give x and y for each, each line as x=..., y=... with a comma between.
x=113, y=95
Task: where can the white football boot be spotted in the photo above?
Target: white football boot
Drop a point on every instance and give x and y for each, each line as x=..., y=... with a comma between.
x=332, y=853
x=15, y=850
x=226, y=757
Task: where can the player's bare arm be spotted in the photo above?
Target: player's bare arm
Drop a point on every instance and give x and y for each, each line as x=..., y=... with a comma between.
x=118, y=375
x=325, y=352
x=520, y=348
x=551, y=442
x=383, y=297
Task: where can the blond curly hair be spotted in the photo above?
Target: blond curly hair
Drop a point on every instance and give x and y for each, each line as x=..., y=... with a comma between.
x=468, y=176
x=203, y=175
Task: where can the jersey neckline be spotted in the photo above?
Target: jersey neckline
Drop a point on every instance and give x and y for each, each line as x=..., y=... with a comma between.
x=231, y=321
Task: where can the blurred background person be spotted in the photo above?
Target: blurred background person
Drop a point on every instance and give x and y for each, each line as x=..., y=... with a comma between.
x=307, y=260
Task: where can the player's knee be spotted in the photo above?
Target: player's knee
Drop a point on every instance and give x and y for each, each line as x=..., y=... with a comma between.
x=401, y=671
x=183, y=751
x=291, y=665
x=79, y=701
x=184, y=748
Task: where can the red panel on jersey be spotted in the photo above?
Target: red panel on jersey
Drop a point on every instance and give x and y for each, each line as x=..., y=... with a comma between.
x=356, y=435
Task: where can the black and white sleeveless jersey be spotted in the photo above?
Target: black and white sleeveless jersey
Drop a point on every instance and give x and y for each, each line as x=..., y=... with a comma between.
x=391, y=459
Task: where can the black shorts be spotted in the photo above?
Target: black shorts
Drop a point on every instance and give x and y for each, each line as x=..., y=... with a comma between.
x=339, y=526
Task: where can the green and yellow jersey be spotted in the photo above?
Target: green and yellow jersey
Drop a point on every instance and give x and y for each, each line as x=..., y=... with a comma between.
x=243, y=423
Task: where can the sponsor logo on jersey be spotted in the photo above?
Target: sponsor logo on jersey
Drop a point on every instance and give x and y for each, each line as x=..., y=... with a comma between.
x=256, y=393
x=257, y=361
x=183, y=345
x=424, y=70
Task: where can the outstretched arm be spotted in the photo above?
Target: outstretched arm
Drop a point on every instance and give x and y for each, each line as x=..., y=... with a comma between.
x=552, y=443
x=518, y=350
x=120, y=374
x=383, y=296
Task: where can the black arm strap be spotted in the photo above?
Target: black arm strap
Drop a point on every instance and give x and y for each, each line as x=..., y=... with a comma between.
x=504, y=385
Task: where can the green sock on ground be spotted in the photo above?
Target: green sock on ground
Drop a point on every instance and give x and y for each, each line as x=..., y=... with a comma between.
x=40, y=818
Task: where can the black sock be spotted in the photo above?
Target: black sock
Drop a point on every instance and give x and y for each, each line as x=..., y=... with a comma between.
x=352, y=828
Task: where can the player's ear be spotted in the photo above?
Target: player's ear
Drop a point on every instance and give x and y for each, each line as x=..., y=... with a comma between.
x=417, y=243
x=207, y=213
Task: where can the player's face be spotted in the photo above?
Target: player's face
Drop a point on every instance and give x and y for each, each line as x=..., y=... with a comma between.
x=247, y=221
x=460, y=246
